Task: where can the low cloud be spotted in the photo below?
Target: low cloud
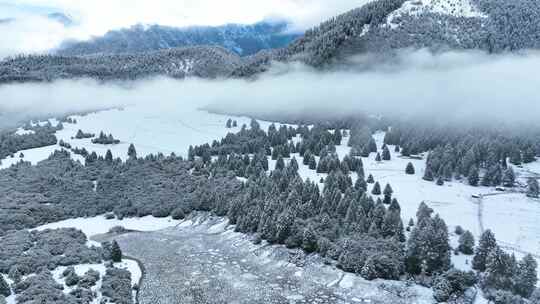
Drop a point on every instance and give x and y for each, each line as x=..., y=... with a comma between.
x=468, y=85
x=32, y=34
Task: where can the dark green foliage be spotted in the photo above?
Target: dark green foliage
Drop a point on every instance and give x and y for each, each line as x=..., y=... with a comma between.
x=81, y=135
x=116, y=252
x=132, y=153
x=427, y=248
x=526, y=276
x=410, y=169
x=387, y=194
x=376, y=189
x=428, y=174
x=42, y=136
x=466, y=243
x=105, y=139
x=178, y=214
x=370, y=179
x=452, y=283
x=386, y=154
x=117, y=286
x=486, y=244
x=4, y=287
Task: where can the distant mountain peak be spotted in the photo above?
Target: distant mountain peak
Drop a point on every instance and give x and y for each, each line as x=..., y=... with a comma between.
x=239, y=38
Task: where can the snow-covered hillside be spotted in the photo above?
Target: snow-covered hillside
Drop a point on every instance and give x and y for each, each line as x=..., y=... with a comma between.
x=455, y=8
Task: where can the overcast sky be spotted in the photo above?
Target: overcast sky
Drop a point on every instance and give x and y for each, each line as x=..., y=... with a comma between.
x=31, y=32
x=98, y=16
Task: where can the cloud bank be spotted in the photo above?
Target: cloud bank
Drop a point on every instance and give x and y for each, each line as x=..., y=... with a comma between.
x=31, y=32
x=449, y=86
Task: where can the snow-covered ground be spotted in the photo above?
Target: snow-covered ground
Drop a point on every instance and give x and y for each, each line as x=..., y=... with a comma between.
x=151, y=129
x=456, y=8
x=98, y=225
x=204, y=252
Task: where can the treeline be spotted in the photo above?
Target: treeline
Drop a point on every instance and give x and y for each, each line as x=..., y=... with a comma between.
x=201, y=61
x=38, y=136
x=481, y=155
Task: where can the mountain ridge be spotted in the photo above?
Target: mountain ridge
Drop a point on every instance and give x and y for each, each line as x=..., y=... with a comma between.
x=241, y=39
x=380, y=27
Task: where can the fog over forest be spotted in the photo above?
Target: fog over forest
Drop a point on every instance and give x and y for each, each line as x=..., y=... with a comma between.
x=448, y=85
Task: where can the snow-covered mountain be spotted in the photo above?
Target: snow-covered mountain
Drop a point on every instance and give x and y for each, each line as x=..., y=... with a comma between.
x=383, y=26
x=241, y=39
x=380, y=27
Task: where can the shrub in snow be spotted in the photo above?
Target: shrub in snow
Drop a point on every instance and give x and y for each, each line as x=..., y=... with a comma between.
x=442, y=289
x=83, y=295
x=410, y=169
x=72, y=279
x=381, y=267
x=178, y=214
x=89, y=279
x=466, y=243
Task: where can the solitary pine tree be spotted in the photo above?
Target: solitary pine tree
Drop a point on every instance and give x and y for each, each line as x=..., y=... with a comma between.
x=466, y=243
x=386, y=154
x=108, y=156
x=410, y=169
x=533, y=190
x=4, y=287
x=376, y=189
x=387, y=194
x=378, y=157
x=132, y=153
x=116, y=252
x=428, y=174
x=234, y=124
x=229, y=123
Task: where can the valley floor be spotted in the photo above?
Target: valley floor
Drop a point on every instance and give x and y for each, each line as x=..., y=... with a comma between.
x=202, y=260
x=210, y=256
